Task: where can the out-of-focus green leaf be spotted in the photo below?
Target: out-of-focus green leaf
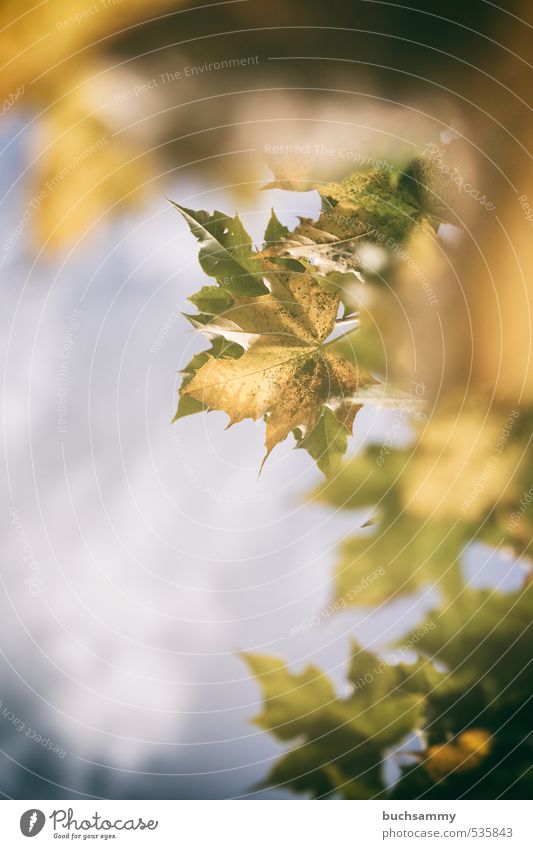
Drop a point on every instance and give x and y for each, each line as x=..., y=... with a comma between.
x=326, y=442
x=340, y=742
x=412, y=555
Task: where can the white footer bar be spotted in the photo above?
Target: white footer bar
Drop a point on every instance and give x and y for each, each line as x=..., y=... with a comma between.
x=267, y=824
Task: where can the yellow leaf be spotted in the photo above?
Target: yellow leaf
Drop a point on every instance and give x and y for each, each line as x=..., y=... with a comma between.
x=287, y=373
x=57, y=61
x=462, y=466
x=286, y=383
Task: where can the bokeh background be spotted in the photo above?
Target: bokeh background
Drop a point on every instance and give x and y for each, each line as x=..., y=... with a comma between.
x=139, y=558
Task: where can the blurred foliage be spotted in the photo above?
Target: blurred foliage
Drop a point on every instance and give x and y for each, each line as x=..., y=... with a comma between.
x=110, y=106
x=473, y=723
x=55, y=53
x=455, y=720
x=340, y=741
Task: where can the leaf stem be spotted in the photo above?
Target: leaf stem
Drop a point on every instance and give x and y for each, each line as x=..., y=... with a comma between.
x=338, y=338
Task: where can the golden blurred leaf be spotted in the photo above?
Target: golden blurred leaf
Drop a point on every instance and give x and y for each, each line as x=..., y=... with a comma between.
x=462, y=466
x=467, y=752
x=55, y=54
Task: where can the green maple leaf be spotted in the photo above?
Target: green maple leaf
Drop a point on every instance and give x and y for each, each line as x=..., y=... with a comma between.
x=486, y=635
x=340, y=742
x=275, y=232
x=226, y=251
x=326, y=442
x=410, y=556
x=374, y=204
x=482, y=640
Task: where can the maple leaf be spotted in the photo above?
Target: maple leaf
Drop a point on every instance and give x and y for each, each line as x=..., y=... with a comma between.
x=226, y=251
x=219, y=348
x=282, y=319
x=340, y=741
x=479, y=717
x=467, y=475
x=371, y=204
x=275, y=232
x=281, y=305
x=410, y=553
x=326, y=442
